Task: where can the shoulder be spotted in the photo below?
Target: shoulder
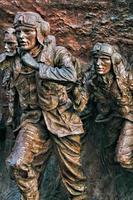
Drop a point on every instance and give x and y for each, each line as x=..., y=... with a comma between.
x=62, y=54
x=61, y=50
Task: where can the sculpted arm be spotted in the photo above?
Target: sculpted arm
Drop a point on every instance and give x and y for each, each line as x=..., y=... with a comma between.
x=62, y=71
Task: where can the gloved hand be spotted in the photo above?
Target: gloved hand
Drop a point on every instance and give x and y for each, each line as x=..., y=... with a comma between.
x=28, y=60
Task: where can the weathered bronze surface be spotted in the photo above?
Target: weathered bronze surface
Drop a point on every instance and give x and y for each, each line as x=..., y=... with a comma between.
x=109, y=84
x=43, y=76
x=78, y=25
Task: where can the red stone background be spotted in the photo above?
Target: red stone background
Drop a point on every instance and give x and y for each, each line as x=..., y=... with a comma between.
x=79, y=24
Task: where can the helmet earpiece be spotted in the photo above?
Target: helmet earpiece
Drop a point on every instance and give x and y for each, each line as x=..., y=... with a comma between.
x=45, y=28
x=116, y=58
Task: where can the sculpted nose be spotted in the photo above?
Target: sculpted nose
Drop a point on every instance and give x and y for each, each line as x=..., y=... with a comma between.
x=6, y=46
x=98, y=62
x=21, y=34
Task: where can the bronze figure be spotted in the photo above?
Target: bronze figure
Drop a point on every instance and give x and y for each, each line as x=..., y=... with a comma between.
x=109, y=84
x=6, y=60
x=43, y=77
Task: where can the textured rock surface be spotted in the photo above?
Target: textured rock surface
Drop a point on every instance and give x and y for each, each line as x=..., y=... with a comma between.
x=78, y=25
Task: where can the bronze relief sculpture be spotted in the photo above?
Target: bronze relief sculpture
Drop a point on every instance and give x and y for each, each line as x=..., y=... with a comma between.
x=44, y=79
x=109, y=83
x=43, y=76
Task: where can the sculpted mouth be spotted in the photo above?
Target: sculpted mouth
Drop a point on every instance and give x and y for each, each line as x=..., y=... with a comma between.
x=100, y=69
x=7, y=50
x=22, y=43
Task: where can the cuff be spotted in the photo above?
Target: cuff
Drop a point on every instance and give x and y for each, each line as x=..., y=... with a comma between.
x=42, y=70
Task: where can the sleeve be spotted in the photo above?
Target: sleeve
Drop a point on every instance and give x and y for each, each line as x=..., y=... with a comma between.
x=2, y=60
x=62, y=71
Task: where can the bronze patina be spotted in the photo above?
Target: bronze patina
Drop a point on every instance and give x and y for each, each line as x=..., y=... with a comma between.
x=43, y=76
x=6, y=60
x=109, y=83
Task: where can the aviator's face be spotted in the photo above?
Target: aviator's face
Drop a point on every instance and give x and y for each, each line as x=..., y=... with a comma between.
x=10, y=44
x=102, y=64
x=27, y=37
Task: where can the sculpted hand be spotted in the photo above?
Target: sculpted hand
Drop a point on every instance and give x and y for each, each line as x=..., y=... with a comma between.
x=28, y=60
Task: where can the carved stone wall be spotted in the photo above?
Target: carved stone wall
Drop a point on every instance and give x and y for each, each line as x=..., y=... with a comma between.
x=78, y=25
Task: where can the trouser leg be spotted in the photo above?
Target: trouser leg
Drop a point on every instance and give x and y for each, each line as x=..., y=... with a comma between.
x=68, y=149
x=26, y=159
x=124, y=150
